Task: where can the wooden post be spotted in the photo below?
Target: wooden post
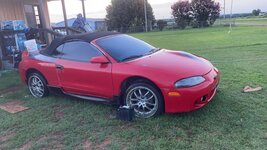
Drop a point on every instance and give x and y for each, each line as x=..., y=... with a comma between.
x=84, y=13
x=1, y=51
x=65, y=15
x=45, y=20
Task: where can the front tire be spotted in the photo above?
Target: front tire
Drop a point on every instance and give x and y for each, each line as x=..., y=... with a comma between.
x=145, y=99
x=37, y=85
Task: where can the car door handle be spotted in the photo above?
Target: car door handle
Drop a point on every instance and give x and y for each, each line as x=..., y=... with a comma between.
x=60, y=67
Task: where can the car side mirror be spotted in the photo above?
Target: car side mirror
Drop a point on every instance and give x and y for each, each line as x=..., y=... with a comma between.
x=99, y=60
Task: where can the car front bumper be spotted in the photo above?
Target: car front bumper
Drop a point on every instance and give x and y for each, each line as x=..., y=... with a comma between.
x=192, y=98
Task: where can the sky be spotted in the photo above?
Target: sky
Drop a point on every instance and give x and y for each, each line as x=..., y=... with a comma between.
x=161, y=8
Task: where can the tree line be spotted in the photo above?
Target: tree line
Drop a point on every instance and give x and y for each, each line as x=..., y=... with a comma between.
x=125, y=15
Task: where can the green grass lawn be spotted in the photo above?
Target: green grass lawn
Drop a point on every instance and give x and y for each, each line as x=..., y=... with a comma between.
x=233, y=120
x=8, y=80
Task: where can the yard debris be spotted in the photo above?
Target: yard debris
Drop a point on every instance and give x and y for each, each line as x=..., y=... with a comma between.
x=248, y=89
x=125, y=113
x=13, y=107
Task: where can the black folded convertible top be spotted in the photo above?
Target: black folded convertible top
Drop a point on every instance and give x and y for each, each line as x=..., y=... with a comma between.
x=87, y=37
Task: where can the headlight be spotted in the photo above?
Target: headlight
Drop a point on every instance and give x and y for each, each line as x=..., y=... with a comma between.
x=189, y=82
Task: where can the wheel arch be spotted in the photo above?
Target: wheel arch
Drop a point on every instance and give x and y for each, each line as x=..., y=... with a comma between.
x=33, y=70
x=128, y=81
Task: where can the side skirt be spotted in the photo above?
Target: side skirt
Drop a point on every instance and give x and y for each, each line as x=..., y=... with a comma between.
x=115, y=101
x=88, y=97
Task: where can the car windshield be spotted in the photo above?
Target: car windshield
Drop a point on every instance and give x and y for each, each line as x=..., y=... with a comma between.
x=123, y=47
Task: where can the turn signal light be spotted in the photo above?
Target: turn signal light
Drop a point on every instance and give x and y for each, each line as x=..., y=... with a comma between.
x=174, y=94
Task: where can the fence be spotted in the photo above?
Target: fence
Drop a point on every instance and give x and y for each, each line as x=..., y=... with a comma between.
x=225, y=22
x=241, y=22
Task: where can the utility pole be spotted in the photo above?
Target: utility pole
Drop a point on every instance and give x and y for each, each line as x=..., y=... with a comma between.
x=231, y=16
x=145, y=15
x=224, y=10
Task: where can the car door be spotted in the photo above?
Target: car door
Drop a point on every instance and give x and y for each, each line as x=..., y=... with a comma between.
x=78, y=76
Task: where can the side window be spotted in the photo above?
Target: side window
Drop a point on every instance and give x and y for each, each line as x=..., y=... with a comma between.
x=79, y=51
x=58, y=52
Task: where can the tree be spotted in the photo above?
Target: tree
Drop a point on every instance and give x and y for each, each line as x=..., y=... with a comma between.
x=124, y=15
x=161, y=24
x=205, y=12
x=182, y=13
x=256, y=12
x=198, y=13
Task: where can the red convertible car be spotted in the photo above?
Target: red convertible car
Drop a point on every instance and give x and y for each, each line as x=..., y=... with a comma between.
x=113, y=67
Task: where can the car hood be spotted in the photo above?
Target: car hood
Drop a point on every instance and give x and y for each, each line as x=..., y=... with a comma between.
x=178, y=63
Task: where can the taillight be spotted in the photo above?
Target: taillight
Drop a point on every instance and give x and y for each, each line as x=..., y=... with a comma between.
x=25, y=54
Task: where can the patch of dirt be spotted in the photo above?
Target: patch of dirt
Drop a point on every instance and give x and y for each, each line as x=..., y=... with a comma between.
x=87, y=145
x=55, y=142
x=104, y=144
x=58, y=112
x=5, y=137
x=13, y=107
x=26, y=146
x=10, y=90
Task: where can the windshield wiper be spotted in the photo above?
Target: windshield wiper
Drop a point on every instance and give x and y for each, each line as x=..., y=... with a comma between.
x=131, y=57
x=153, y=51
x=138, y=56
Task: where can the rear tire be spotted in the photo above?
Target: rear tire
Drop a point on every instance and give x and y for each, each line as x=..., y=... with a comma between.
x=145, y=99
x=37, y=85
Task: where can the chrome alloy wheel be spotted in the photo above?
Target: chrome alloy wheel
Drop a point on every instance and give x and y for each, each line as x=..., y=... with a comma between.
x=36, y=86
x=143, y=100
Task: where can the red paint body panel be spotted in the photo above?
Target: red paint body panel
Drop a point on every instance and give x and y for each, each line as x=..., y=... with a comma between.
x=190, y=97
x=47, y=68
x=163, y=68
x=86, y=78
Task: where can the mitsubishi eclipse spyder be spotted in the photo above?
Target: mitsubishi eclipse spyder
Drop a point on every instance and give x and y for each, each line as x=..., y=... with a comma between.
x=112, y=67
